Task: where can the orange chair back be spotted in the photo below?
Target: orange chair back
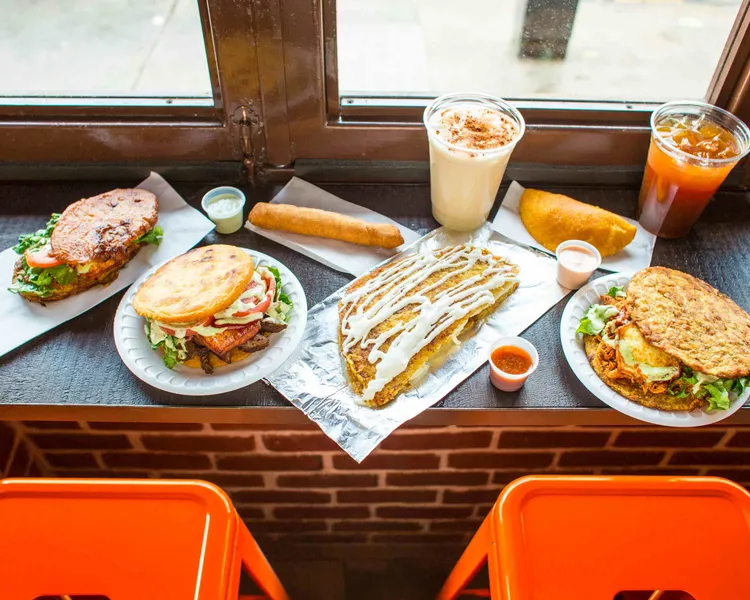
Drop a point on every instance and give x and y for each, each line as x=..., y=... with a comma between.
x=126, y=540
x=588, y=538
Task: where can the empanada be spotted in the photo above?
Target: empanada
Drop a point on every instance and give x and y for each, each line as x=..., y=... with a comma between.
x=553, y=218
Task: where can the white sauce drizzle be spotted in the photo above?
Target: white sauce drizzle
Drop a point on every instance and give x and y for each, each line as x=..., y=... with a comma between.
x=396, y=288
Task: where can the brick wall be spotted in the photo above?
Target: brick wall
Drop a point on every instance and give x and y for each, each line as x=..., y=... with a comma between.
x=422, y=485
x=17, y=457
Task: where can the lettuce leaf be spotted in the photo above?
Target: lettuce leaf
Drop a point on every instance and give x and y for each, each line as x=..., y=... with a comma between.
x=153, y=236
x=36, y=281
x=32, y=241
x=169, y=356
x=718, y=398
x=616, y=291
x=168, y=346
x=280, y=296
x=715, y=391
x=595, y=318
x=681, y=387
x=63, y=274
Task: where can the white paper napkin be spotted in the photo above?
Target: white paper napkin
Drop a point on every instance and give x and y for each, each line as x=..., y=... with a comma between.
x=634, y=257
x=342, y=256
x=21, y=320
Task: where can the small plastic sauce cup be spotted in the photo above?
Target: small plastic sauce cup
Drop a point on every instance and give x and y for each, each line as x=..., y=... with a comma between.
x=576, y=262
x=510, y=382
x=224, y=206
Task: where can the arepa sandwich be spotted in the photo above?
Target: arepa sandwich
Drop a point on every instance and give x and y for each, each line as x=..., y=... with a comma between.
x=670, y=342
x=211, y=307
x=86, y=245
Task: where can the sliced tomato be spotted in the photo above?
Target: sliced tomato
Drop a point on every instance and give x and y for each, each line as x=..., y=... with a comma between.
x=252, y=289
x=207, y=323
x=42, y=258
x=270, y=282
x=167, y=330
x=258, y=307
x=234, y=326
x=256, y=304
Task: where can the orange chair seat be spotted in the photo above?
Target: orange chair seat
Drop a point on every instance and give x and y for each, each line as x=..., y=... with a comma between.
x=589, y=538
x=124, y=539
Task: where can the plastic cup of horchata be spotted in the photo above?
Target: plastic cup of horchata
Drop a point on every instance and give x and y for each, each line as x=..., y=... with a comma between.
x=471, y=138
x=693, y=148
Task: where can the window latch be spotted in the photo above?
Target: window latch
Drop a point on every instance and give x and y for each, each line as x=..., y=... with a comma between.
x=250, y=130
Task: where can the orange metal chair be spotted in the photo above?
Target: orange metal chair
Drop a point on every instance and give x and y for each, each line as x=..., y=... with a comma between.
x=589, y=538
x=125, y=540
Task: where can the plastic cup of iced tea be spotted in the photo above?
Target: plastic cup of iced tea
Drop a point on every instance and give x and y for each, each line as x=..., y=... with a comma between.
x=693, y=148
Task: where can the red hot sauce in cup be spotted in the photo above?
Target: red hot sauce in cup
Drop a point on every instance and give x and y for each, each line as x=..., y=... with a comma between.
x=511, y=360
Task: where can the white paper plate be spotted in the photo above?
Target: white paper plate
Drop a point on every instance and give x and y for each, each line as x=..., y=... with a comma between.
x=572, y=344
x=146, y=363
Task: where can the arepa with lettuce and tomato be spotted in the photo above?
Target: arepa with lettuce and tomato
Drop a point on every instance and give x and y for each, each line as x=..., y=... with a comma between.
x=87, y=245
x=211, y=307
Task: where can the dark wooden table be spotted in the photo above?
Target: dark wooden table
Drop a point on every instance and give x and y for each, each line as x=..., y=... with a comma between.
x=74, y=371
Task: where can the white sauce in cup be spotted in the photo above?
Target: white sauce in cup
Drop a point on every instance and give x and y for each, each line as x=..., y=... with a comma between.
x=576, y=262
x=224, y=205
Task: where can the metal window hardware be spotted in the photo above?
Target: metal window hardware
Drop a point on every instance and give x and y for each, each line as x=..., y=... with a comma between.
x=250, y=133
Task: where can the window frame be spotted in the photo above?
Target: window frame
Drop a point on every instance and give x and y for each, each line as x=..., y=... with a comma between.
x=323, y=125
x=127, y=129
x=278, y=60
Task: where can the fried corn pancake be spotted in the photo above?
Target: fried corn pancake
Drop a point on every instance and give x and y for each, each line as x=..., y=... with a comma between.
x=690, y=320
x=633, y=391
x=194, y=286
x=553, y=218
x=101, y=273
x=394, y=320
x=102, y=228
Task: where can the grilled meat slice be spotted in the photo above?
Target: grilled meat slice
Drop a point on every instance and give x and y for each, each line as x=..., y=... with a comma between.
x=258, y=343
x=271, y=326
x=204, y=354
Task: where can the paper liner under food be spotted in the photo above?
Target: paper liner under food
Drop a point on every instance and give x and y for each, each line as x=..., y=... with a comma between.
x=342, y=256
x=315, y=380
x=634, y=257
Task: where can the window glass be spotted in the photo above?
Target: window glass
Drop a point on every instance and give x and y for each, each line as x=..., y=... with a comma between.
x=631, y=50
x=102, y=48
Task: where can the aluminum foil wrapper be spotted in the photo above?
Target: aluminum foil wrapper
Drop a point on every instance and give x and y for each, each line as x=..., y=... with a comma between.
x=315, y=380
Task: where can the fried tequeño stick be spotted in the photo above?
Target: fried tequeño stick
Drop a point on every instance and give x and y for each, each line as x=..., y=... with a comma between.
x=326, y=224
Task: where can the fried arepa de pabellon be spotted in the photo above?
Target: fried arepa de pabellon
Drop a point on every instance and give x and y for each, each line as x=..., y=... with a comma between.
x=628, y=380
x=102, y=227
x=692, y=321
x=360, y=369
x=194, y=286
x=635, y=392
